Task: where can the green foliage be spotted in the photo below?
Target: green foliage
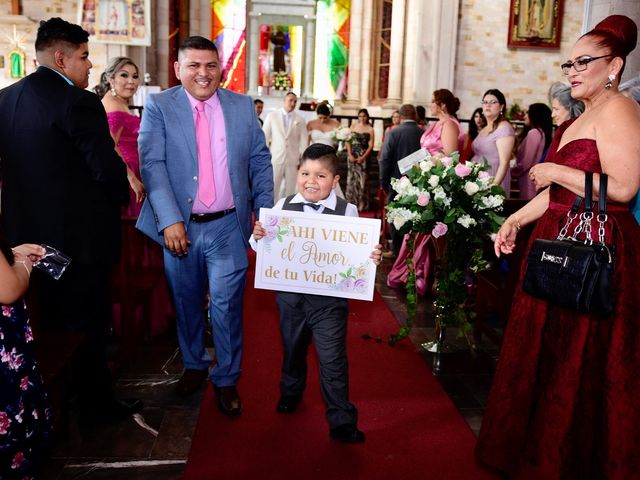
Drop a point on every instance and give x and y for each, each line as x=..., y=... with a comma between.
x=457, y=203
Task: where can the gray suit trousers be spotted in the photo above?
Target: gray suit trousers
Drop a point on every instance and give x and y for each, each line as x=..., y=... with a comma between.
x=324, y=319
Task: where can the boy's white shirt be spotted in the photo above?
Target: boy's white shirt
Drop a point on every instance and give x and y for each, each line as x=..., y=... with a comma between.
x=329, y=202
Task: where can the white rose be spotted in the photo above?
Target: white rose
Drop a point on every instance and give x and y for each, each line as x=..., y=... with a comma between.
x=434, y=180
x=471, y=188
x=398, y=222
x=466, y=221
x=426, y=165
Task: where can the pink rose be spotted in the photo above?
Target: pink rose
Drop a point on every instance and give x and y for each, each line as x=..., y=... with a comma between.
x=423, y=199
x=439, y=230
x=5, y=422
x=271, y=233
x=483, y=175
x=18, y=459
x=462, y=170
x=272, y=221
x=360, y=285
x=346, y=284
x=447, y=161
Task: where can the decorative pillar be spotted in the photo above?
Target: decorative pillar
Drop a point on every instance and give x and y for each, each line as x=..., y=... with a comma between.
x=394, y=92
x=252, y=53
x=309, y=55
x=355, y=54
x=365, y=61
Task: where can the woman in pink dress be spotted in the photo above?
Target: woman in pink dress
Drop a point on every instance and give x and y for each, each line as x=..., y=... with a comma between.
x=440, y=139
x=118, y=84
x=534, y=141
x=495, y=141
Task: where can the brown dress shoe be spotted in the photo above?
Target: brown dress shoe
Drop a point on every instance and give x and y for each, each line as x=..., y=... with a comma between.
x=228, y=400
x=190, y=381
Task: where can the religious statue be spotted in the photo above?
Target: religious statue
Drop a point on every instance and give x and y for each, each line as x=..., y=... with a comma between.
x=279, y=40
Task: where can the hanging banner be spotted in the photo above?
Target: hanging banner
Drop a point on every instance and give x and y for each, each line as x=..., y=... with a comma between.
x=317, y=254
x=116, y=21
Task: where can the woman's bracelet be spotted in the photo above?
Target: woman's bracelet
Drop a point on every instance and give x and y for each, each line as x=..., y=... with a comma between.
x=516, y=223
x=24, y=264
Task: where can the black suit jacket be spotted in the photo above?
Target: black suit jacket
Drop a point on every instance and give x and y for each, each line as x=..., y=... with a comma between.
x=62, y=181
x=401, y=141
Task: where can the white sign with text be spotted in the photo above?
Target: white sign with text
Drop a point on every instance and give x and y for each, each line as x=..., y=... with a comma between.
x=317, y=254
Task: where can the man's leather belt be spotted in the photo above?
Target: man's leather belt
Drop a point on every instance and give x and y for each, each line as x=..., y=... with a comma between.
x=208, y=217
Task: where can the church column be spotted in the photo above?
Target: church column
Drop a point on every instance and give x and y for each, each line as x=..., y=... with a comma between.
x=355, y=55
x=394, y=92
x=252, y=53
x=365, y=62
x=309, y=55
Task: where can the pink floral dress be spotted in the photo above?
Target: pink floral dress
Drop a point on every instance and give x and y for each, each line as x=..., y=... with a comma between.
x=25, y=413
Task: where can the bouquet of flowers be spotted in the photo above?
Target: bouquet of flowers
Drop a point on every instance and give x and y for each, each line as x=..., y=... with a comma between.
x=342, y=134
x=456, y=202
x=281, y=81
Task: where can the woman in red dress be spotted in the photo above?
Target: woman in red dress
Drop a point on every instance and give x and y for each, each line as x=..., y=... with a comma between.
x=564, y=401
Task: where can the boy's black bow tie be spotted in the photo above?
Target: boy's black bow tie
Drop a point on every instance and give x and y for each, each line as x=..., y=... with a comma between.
x=315, y=206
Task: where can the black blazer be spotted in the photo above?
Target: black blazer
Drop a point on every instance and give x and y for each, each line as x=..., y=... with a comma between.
x=62, y=181
x=401, y=141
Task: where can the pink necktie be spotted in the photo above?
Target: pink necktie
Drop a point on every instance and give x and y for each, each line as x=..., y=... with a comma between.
x=206, y=187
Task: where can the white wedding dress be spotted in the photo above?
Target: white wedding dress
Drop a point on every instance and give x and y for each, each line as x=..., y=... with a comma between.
x=326, y=138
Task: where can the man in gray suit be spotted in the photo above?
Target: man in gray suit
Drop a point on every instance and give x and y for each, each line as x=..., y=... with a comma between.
x=205, y=165
x=401, y=141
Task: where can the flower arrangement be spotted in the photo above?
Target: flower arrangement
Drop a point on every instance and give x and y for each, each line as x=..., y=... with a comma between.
x=281, y=81
x=354, y=279
x=457, y=203
x=342, y=134
x=276, y=229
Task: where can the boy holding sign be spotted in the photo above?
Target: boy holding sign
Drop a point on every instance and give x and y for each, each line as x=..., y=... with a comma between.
x=323, y=318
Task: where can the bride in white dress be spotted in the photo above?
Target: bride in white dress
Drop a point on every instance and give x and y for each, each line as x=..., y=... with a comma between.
x=321, y=131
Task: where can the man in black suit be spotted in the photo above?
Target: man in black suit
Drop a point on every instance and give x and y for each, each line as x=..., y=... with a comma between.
x=63, y=185
x=401, y=141
x=259, y=107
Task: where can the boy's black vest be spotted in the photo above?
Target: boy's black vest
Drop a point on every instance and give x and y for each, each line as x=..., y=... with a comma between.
x=341, y=206
x=317, y=300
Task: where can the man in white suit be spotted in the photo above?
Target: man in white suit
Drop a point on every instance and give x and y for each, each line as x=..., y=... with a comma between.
x=287, y=137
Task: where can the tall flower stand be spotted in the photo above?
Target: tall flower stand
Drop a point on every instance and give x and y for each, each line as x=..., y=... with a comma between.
x=453, y=302
x=439, y=344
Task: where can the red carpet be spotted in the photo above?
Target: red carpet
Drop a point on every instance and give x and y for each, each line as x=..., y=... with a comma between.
x=413, y=430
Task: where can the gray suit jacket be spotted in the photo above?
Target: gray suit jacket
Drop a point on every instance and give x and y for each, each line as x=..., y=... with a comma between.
x=169, y=162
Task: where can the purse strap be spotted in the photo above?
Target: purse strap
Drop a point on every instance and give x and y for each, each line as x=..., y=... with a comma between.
x=602, y=207
x=571, y=216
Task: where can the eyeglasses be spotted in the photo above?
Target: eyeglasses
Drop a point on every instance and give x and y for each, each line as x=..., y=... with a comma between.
x=580, y=64
x=490, y=102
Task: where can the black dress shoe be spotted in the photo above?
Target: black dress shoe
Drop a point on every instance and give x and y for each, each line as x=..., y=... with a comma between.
x=126, y=407
x=288, y=403
x=347, y=433
x=190, y=381
x=228, y=400
x=112, y=411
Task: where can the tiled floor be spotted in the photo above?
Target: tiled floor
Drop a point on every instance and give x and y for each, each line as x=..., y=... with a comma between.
x=157, y=446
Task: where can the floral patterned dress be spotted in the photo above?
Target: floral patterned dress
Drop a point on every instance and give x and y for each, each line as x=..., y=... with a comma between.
x=25, y=413
x=356, y=191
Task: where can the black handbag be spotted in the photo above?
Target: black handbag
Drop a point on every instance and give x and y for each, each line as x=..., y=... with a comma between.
x=571, y=271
